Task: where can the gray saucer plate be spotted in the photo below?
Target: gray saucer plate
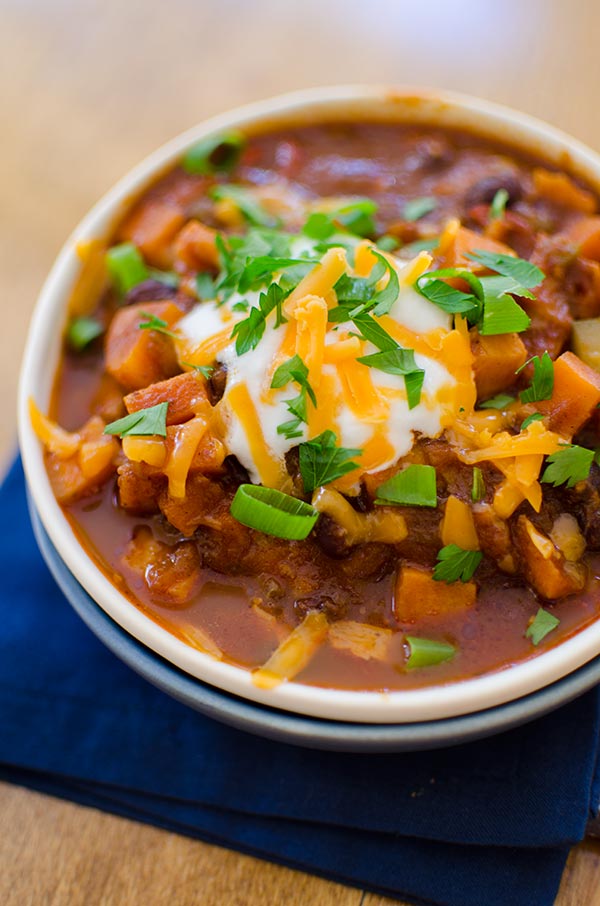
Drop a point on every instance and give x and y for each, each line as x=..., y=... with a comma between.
x=293, y=728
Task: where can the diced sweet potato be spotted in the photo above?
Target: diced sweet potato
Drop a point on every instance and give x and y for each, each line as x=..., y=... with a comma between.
x=549, y=573
x=417, y=594
x=204, y=504
x=494, y=536
x=139, y=486
x=151, y=226
x=575, y=395
x=458, y=526
x=88, y=468
x=184, y=393
x=562, y=190
x=584, y=234
x=464, y=242
x=136, y=357
x=495, y=360
x=170, y=572
x=195, y=248
x=108, y=399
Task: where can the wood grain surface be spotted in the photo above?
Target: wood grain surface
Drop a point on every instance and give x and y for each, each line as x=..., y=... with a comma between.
x=87, y=88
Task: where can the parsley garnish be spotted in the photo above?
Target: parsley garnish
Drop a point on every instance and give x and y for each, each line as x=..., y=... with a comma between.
x=322, y=461
x=534, y=417
x=294, y=370
x=542, y=384
x=205, y=370
x=500, y=401
x=154, y=323
x=399, y=361
x=414, y=486
x=455, y=563
x=570, y=465
x=524, y=273
x=356, y=217
x=142, y=423
x=248, y=333
x=245, y=202
x=420, y=245
x=543, y=623
x=350, y=290
x=433, y=286
x=258, y=270
x=418, y=207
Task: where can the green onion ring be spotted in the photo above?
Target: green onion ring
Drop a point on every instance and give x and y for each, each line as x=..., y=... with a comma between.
x=273, y=512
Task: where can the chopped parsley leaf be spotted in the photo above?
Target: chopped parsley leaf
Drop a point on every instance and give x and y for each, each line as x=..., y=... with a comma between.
x=542, y=384
x=543, y=623
x=569, y=465
x=322, y=461
x=455, y=563
x=143, y=423
x=154, y=323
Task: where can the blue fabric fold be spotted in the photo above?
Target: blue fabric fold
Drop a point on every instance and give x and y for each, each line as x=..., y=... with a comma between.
x=488, y=822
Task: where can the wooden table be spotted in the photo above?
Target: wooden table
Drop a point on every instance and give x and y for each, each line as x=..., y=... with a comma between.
x=87, y=89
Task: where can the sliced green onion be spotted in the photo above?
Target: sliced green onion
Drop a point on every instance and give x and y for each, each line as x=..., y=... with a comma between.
x=543, y=623
x=421, y=245
x=126, y=266
x=414, y=486
x=478, y=486
x=219, y=153
x=143, y=423
x=418, y=207
x=273, y=512
x=427, y=652
x=387, y=243
x=81, y=332
x=498, y=205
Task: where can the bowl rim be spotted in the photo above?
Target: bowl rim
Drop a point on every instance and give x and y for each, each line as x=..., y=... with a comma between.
x=342, y=103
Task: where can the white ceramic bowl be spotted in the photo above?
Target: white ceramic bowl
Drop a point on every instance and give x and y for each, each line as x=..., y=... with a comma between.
x=42, y=355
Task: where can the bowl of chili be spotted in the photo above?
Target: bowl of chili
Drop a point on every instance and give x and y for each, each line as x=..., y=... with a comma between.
x=308, y=404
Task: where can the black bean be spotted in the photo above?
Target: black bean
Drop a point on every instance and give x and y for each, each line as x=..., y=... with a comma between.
x=150, y=291
x=484, y=190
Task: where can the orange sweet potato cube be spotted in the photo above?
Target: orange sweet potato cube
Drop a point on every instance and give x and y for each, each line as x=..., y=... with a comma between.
x=495, y=360
x=137, y=357
x=417, y=594
x=575, y=395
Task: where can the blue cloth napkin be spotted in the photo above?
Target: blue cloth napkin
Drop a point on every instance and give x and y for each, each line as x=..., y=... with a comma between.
x=490, y=822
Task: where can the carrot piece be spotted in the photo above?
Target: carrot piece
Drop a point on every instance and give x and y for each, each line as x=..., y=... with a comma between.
x=417, y=594
x=185, y=393
x=585, y=236
x=562, y=190
x=458, y=525
x=136, y=357
x=151, y=226
x=195, y=248
x=495, y=360
x=575, y=395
